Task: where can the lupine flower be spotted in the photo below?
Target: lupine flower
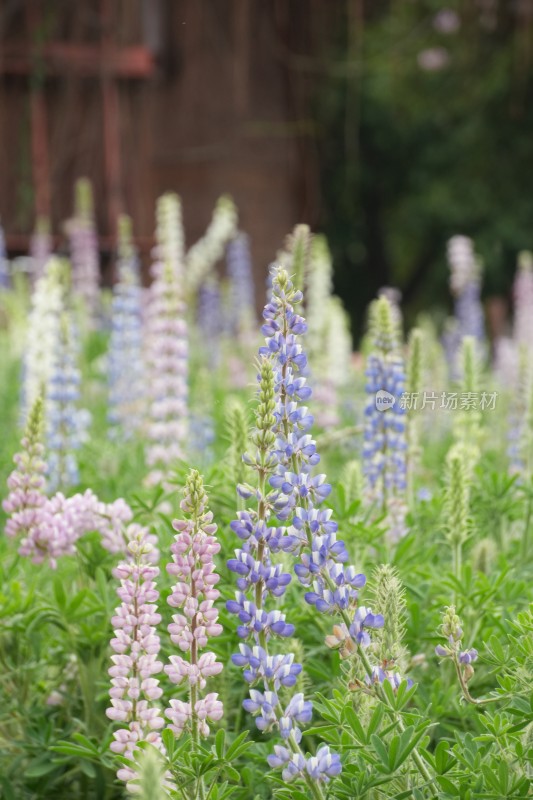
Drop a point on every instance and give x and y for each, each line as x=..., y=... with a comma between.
x=125, y=359
x=465, y=283
x=523, y=300
x=40, y=247
x=203, y=255
x=319, y=287
x=84, y=254
x=66, y=423
x=311, y=534
x=259, y=580
x=385, y=445
x=210, y=319
x=328, y=335
x=167, y=344
x=47, y=306
x=194, y=595
x=26, y=483
x=241, y=287
x=452, y=630
x=237, y=427
x=50, y=527
x=467, y=422
x=201, y=437
x=388, y=599
x=134, y=687
x=4, y=262
x=520, y=429
x=295, y=257
x=413, y=388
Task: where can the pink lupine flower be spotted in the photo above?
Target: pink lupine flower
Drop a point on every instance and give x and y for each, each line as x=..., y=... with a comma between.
x=194, y=594
x=58, y=522
x=26, y=483
x=134, y=689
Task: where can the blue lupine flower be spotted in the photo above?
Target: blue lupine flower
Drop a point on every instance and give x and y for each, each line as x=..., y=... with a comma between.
x=364, y=619
x=384, y=438
x=201, y=437
x=468, y=656
x=259, y=580
x=241, y=311
x=66, y=423
x=210, y=320
x=126, y=373
x=278, y=670
x=465, y=281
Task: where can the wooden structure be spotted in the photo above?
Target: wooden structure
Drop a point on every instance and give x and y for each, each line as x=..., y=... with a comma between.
x=143, y=96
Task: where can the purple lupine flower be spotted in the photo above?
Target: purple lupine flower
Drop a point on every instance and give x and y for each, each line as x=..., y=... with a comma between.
x=259, y=580
x=201, y=436
x=321, y=555
x=126, y=375
x=84, y=254
x=134, y=687
x=66, y=423
x=209, y=319
x=465, y=283
x=241, y=300
x=167, y=349
x=523, y=301
x=384, y=439
x=451, y=629
x=322, y=558
x=5, y=280
x=194, y=594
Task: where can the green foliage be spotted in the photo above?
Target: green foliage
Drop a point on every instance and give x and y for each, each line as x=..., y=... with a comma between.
x=410, y=156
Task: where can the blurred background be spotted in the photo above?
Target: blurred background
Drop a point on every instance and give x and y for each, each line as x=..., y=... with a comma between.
x=388, y=125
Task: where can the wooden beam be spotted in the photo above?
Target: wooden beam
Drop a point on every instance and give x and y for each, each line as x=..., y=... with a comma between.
x=39, y=127
x=133, y=61
x=111, y=121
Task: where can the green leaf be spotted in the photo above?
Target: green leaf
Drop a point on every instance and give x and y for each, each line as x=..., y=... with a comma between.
x=232, y=773
x=375, y=720
x=448, y=786
x=219, y=743
x=238, y=747
x=443, y=761
x=39, y=768
x=59, y=593
x=7, y=789
x=381, y=750
x=353, y=721
x=169, y=740
x=394, y=747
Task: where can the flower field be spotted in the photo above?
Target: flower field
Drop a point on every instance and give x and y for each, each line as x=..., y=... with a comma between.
x=243, y=561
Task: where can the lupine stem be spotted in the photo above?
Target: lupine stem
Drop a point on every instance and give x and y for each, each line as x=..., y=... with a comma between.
x=315, y=789
x=466, y=692
x=417, y=758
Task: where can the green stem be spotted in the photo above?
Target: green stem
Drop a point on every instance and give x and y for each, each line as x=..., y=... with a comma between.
x=417, y=758
x=464, y=686
x=314, y=787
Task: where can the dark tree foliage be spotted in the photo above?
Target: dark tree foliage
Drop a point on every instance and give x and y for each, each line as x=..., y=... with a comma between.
x=425, y=123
